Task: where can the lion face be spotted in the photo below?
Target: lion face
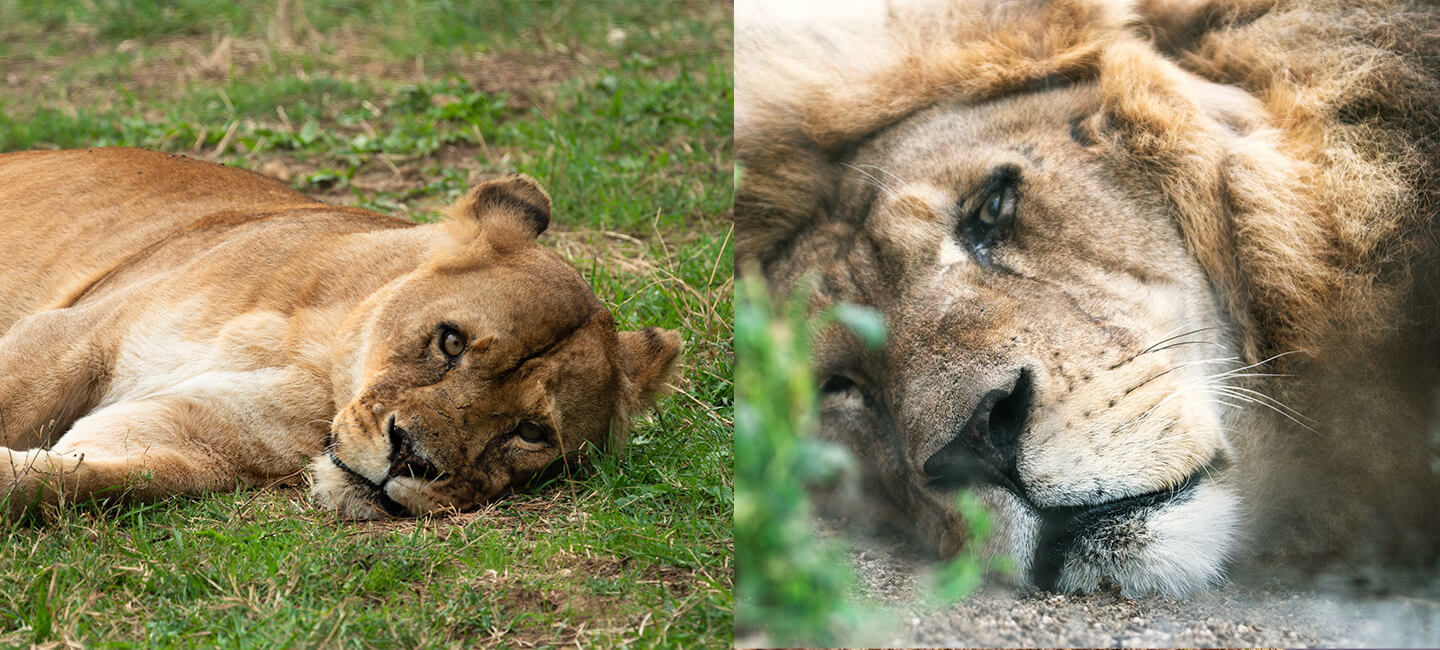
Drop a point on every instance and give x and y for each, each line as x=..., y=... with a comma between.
x=1134, y=261
x=1053, y=345
x=490, y=365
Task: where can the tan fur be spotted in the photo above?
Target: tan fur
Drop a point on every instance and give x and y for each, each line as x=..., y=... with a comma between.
x=175, y=327
x=1263, y=170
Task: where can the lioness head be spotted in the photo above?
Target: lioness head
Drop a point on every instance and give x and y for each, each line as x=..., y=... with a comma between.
x=1086, y=255
x=490, y=364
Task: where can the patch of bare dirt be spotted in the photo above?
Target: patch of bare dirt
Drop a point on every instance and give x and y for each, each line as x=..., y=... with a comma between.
x=587, y=618
x=527, y=78
x=1264, y=611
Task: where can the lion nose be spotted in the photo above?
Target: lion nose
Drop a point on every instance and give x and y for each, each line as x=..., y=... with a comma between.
x=983, y=448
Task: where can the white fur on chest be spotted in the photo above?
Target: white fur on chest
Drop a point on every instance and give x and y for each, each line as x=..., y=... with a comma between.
x=241, y=374
x=160, y=358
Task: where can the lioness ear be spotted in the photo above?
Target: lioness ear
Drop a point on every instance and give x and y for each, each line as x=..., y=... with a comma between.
x=516, y=199
x=648, y=358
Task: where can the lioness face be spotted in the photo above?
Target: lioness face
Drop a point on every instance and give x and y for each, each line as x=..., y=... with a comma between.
x=491, y=365
x=1047, y=347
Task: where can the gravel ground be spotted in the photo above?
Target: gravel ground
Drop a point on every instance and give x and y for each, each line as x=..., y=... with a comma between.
x=1251, y=612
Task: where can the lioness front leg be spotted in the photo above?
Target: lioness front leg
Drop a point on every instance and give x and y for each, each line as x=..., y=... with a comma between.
x=50, y=373
x=141, y=450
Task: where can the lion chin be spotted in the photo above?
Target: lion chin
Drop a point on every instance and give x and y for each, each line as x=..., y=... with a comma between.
x=1172, y=543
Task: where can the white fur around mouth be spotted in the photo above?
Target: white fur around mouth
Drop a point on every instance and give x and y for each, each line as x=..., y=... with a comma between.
x=1173, y=548
x=349, y=494
x=1170, y=544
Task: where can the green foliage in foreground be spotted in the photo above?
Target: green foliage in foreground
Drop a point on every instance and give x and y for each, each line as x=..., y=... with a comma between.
x=791, y=585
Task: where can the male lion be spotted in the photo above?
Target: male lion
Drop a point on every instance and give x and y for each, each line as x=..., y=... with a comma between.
x=1157, y=278
x=177, y=327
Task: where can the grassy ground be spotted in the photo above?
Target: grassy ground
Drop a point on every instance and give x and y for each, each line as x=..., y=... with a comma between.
x=623, y=112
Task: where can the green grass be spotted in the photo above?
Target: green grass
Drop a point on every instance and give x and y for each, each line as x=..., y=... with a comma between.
x=399, y=106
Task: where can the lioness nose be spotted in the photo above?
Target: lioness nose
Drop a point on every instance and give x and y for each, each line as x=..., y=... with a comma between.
x=404, y=460
x=983, y=448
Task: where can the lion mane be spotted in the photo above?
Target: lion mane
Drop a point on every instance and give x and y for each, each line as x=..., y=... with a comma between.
x=1312, y=237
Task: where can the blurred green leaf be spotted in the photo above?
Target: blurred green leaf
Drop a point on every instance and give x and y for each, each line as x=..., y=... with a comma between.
x=865, y=322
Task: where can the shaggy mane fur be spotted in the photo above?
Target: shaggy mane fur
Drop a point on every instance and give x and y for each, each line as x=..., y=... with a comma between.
x=1314, y=218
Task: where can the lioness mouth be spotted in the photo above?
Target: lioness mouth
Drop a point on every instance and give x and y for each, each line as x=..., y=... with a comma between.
x=404, y=460
x=375, y=494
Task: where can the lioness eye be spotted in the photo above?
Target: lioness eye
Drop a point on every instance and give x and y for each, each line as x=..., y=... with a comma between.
x=532, y=433
x=452, y=343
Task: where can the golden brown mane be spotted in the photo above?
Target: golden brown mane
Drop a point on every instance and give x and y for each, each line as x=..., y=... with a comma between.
x=1307, y=197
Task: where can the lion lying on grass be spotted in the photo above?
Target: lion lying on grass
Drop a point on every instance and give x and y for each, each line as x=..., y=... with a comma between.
x=1159, y=279
x=177, y=327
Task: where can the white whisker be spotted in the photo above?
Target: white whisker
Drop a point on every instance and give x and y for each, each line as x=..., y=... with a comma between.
x=874, y=180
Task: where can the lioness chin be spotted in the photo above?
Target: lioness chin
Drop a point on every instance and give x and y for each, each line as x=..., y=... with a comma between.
x=175, y=327
x=1160, y=279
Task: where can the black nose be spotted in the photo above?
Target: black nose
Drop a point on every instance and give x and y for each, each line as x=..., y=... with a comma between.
x=404, y=460
x=983, y=447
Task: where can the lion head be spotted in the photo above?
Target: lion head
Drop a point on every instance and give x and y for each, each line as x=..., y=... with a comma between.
x=1095, y=235
x=487, y=366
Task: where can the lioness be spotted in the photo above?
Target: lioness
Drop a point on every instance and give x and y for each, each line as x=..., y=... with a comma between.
x=176, y=327
x=1158, y=278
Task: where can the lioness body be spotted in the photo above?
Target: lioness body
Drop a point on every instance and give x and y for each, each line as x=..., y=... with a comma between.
x=174, y=326
x=1153, y=275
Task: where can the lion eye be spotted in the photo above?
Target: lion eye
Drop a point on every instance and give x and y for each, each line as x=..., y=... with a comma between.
x=452, y=343
x=993, y=219
x=836, y=385
x=991, y=213
x=532, y=433
x=998, y=210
